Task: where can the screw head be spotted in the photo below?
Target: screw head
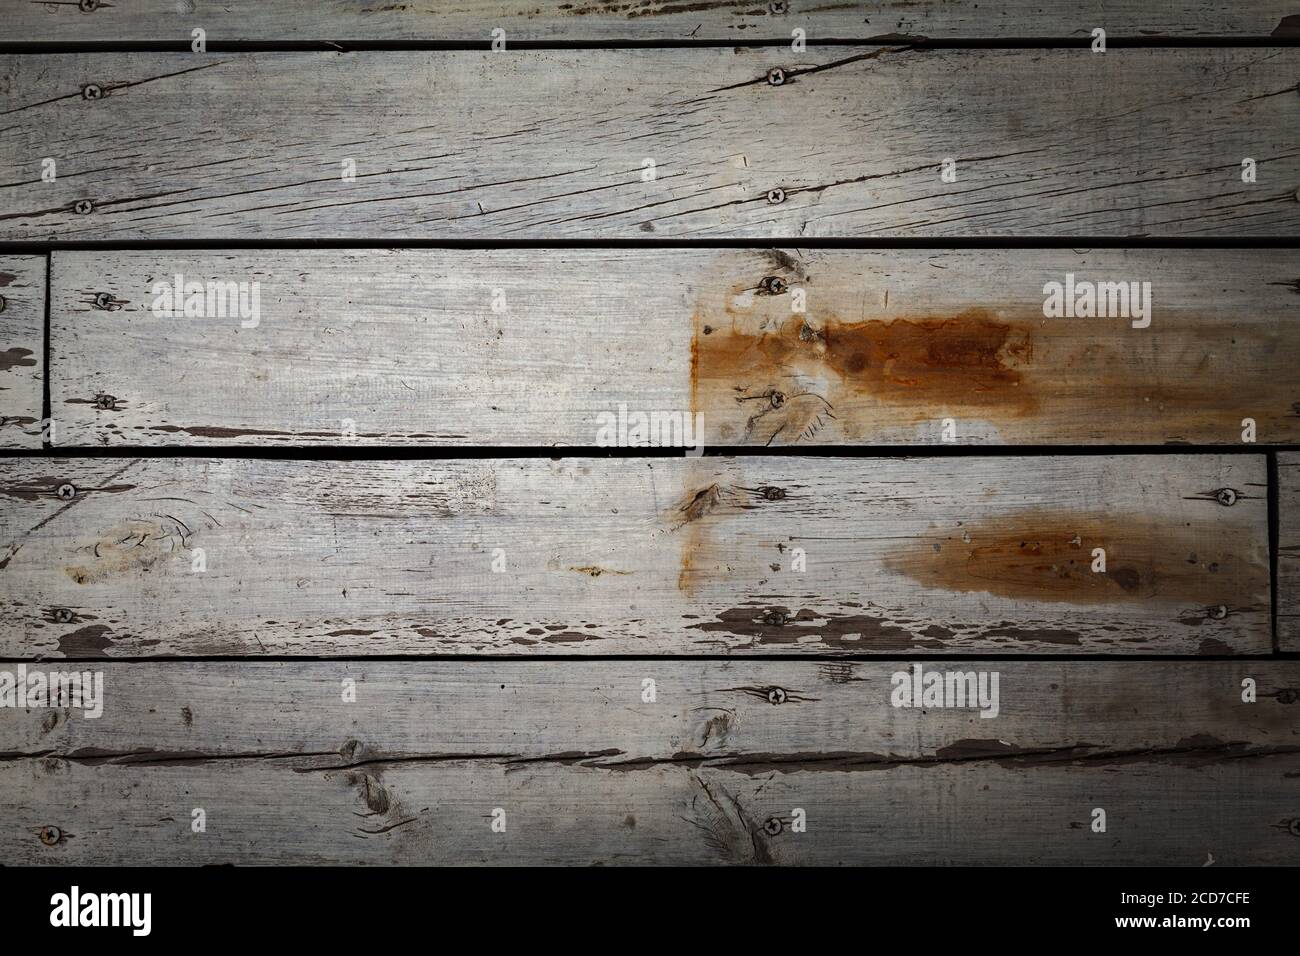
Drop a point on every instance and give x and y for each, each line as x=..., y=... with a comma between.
x=774, y=618
x=773, y=285
x=777, y=399
x=4, y=304
x=51, y=835
x=88, y=6
x=82, y=207
x=105, y=402
x=63, y=615
x=92, y=91
x=776, y=196
x=103, y=300
x=1288, y=695
x=779, y=7
x=773, y=826
x=776, y=696
x=1219, y=612
x=66, y=492
x=1293, y=826
x=1226, y=496
x=776, y=76
x=773, y=494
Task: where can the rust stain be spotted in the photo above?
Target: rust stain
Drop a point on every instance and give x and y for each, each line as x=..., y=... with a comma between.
x=777, y=380
x=1043, y=556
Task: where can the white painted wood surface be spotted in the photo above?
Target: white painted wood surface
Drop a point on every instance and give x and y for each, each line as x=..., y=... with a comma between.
x=532, y=347
x=553, y=145
x=22, y=350
x=555, y=20
x=634, y=556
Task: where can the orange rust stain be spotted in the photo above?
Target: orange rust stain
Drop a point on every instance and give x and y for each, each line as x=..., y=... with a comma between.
x=782, y=378
x=1041, y=556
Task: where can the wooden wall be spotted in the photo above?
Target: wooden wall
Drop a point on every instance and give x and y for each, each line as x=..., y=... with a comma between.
x=342, y=536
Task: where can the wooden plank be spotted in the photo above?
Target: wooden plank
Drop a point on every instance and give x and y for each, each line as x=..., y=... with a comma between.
x=665, y=556
x=724, y=713
x=1236, y=812
x=554, y=20
x=22, y=350
x=408, y=347
x=588, y=771
x=1288, y=552
x=552, y=145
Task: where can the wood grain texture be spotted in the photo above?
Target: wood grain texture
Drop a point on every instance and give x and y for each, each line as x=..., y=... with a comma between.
x=588, y=771
x=665, y=556
x=22, y=350
x=551, y=145
x=407, y=346
x=554, y=20
x=1288, y=552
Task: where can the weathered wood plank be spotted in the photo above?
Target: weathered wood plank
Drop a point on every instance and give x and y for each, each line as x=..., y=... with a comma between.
x=1288, y=552
x=533, y=347
x=723, y=713
x=634, y=556
x=1235, y=812
x=555, y=20
x=588, y=770
x=22, y=350
x=553, y=145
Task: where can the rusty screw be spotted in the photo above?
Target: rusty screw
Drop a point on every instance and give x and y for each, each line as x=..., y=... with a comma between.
x=88, y=6
x=82, y=207
x=1226, y=496
x=774, y=618
x=92, y=91
x=103, y=300
x=773, y=285
x=776, y=696
x=51, y=835
x=66, y=492
x=776, y=76
x=777, y=399
x=62, y=615
x=776, y=196
x=772, y=827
